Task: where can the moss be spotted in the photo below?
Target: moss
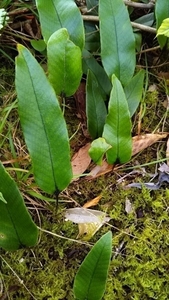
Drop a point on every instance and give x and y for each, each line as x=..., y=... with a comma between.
x=140, y=269
x=47, y=270
x=152, y=111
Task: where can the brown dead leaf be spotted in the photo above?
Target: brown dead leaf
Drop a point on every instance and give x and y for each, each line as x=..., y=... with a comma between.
x=80, y=161
x=152, y=88
x=80, y=98
x=141, y=142
x=166, y=103
x=163, y=75
x=92, y=202
x=100, y=170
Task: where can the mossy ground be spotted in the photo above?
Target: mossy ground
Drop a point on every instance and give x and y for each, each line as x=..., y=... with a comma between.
x=140, y=262
x=139, y=266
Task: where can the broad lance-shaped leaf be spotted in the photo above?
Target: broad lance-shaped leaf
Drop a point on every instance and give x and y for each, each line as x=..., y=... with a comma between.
x=134, y=90
x=90, y=280
x=90, y=63
x=17, y=230
x=43, y=124
x=164, y=28
x=117, y=129
x=56, y=14
x=117, y=40
x=64, y=63
x=161, y=13
x=95, y=106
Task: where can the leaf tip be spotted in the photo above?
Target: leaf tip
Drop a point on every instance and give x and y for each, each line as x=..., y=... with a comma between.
x=20, y=47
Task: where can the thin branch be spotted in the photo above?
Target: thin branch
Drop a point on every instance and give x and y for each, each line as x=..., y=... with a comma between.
x=143, y=27
x=140, y=5
x=135, y=25
x=149, y=49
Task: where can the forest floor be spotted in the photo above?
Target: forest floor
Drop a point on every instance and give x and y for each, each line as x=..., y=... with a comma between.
x=139, y=218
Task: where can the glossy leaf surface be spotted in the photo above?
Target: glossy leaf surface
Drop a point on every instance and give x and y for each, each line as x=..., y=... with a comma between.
x=133, y=91
x=90, y=280
x=90, y=63
x=38, y=45
x=64, y=63
x=95, y=106
x=117, y=129
x=43, y=124
x=56, y=14
x=161, y=13
x=117, y=40
x=17, y=229
x=147, y=20
x=98, y=148
x=164, y=28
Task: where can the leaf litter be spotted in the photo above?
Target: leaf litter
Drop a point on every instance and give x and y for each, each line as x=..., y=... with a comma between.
x=163, y=176
x=89, y=220
x=81, y=160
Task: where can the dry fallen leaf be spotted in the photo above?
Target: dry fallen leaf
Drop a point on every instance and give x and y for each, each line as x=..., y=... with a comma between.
x=141, y=142
x=128, y=206
x=92, y=202
x=80, y=98
x=152, y=88
x=80, y=161
x=100, y=170
x=164, y=75
x=89, y=221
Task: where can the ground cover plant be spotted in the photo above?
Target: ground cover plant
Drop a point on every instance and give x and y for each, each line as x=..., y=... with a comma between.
x=40, y=132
